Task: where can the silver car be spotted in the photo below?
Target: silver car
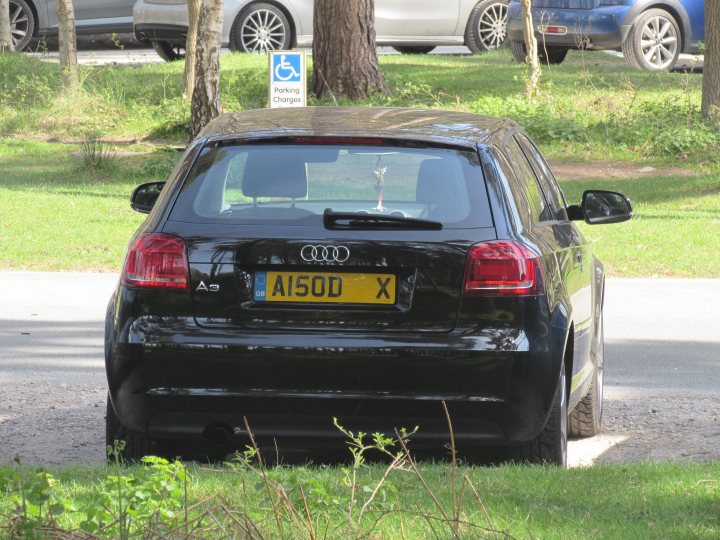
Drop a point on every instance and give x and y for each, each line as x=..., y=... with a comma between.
x=411, y=26
x=37, y=18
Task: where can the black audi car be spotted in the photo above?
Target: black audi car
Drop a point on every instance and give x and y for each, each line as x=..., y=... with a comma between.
x=364, y=264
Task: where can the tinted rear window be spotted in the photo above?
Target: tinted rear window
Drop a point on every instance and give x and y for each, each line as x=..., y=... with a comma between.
x=287, y=184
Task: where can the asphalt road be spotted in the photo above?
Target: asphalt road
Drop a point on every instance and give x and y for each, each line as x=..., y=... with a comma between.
x=662, y=370
x=123, y=49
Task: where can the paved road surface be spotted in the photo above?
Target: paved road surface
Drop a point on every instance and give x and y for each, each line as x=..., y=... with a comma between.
x=662, y=369
x=103, y=50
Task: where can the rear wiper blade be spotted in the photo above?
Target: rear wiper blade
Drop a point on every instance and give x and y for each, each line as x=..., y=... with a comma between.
x=353, y=220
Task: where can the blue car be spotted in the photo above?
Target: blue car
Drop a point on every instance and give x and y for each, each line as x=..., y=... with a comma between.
x=650, y=33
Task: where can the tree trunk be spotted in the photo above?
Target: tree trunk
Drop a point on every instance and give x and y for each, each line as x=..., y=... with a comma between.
x=711, y=63
x=532, y=85
x=6, y=41
x=205, y=103
x=345, y=60
x=191, y=46
x=68, y=44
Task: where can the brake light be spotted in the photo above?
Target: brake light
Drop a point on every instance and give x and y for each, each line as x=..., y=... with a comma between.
x=156, y=260
x=502, y=268
x=337, y=140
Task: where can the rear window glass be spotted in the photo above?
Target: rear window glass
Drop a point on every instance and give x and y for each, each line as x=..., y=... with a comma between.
x=293, y=184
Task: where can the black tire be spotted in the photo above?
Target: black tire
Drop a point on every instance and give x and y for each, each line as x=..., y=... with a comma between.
x=586, y=418
x=487, y=26
x=413, y=50
x=168, y=51
x=137, y=445
x=22, y=24
x=644, y=26
x=550, y=446
x=260, y=28
x=519, y=52
x=549, y=56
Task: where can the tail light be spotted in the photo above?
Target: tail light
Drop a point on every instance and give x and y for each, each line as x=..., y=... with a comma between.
x=502, y=268
x=157, y=261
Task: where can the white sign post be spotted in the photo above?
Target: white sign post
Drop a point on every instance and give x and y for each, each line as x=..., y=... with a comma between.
x=288, y=86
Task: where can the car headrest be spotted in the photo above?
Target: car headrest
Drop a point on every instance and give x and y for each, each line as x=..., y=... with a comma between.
x=432, y=182
x=273, y=173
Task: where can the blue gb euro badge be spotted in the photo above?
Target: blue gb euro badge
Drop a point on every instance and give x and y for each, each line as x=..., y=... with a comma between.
x=260, y=286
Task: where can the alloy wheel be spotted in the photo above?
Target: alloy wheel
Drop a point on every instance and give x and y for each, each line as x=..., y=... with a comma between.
x=19, y=25
x=262, y=31
x=659, y=42
x=492, y=25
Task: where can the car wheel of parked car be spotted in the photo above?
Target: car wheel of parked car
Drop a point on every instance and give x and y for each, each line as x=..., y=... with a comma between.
x=136, y=444
x=261, y=28
x=653, y=43
x=413, y=50
x=546, y=55
x=487, y=26
x=586, y=417
x=22, y=24
x=169, y=51
x=550, y=446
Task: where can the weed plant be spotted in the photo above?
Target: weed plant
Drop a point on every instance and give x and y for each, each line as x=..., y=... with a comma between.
x=97, y=155
x=400, y=498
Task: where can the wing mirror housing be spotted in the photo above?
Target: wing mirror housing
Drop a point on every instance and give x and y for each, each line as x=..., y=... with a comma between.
x=600, y=207
x=144, y=196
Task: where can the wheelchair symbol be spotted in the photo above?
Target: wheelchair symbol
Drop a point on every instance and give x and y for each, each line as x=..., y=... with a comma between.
x=285, y=71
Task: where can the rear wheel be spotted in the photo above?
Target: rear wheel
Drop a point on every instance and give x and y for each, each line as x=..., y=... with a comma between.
x=261, y=28
x=168, y=51
x=487, y=26
x=134, y=444
x=653, y=43
x=550, y=446
x=546, y=55
x=413, y=50
x=586, y=417
x=22, y=24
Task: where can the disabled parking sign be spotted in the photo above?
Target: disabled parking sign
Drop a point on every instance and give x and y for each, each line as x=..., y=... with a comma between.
x=287, y=79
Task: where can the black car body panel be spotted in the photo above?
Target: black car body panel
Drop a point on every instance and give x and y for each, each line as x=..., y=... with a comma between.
x=181, y=363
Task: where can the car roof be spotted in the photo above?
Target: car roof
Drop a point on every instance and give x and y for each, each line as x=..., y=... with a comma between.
x=427, y=125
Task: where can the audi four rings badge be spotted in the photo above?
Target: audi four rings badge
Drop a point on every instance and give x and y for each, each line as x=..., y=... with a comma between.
x=338, y=254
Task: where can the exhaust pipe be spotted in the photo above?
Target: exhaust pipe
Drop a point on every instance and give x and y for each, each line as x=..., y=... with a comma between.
x=219, y=434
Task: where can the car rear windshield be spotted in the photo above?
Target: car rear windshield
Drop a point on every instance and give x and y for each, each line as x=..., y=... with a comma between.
x=293, y=184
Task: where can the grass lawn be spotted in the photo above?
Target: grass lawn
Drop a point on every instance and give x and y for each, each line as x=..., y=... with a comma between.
x=592, y=105
x=621, y=501
x=57, y=214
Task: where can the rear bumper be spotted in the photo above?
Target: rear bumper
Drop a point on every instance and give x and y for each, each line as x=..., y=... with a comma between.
x=600, y=28
x=172, y=379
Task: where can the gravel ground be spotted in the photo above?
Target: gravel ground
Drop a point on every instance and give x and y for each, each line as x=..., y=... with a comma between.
x=661, y=379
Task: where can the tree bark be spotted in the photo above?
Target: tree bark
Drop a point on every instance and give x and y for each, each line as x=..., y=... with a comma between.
x=345, y=59
x=6, y=41
x=205, y=103
x=532, y=85
x=711, y=62
x=67, y=43
x=191, y=45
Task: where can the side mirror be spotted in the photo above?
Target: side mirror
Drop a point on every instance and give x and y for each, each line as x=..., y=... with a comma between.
x=600, y=207
x=143, y=198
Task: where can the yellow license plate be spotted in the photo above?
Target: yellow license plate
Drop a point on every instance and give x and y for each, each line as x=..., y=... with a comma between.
x=324, y=287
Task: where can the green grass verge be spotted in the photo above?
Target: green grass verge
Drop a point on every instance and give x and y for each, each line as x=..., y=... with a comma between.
x=57, y=214
x=671, y=233
x=591, y=105
x=643, y=500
